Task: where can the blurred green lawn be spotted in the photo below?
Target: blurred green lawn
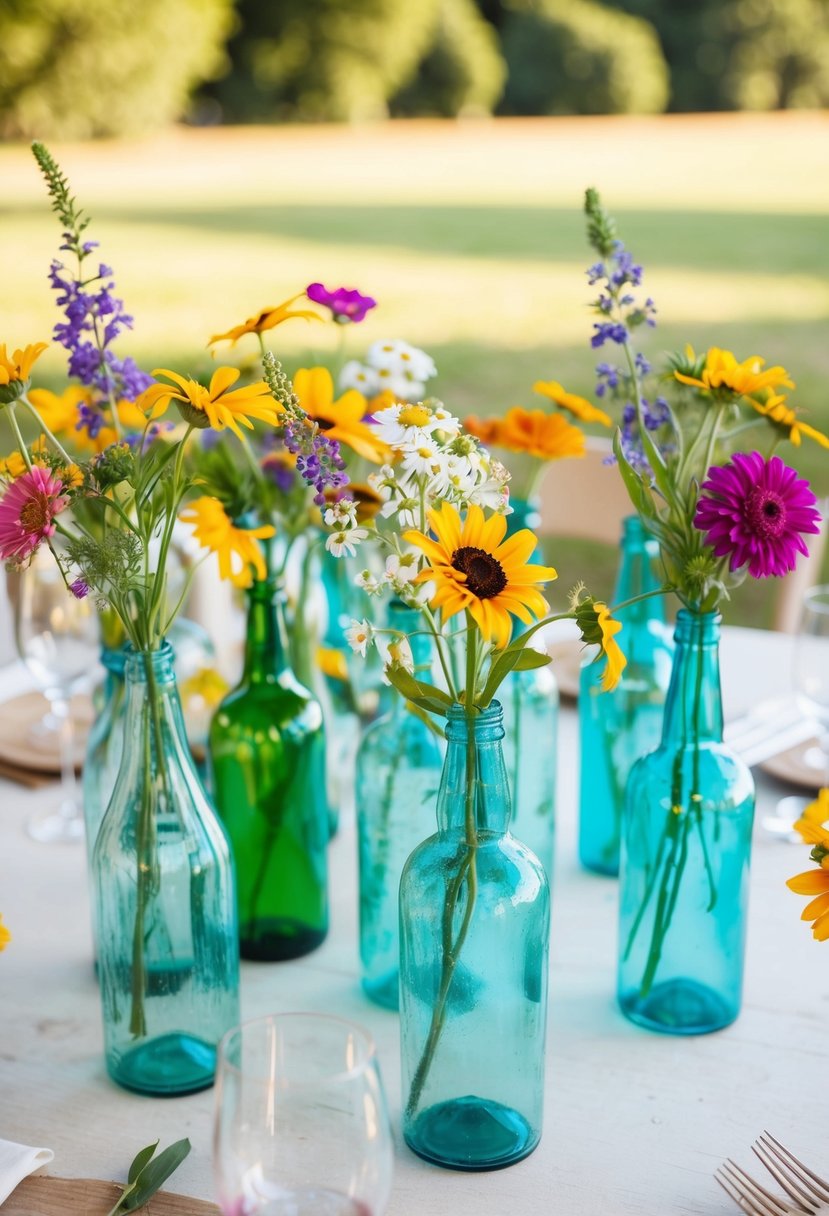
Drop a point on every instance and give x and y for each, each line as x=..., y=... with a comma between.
x=470, y=236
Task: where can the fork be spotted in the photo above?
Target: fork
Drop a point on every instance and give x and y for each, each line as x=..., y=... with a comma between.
x=809, y=1191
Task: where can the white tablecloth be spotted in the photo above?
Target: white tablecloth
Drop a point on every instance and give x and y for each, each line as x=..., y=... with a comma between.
x=635, y=1122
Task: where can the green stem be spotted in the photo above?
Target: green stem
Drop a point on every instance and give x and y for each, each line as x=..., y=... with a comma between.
x=63, y=453
x=21, y=443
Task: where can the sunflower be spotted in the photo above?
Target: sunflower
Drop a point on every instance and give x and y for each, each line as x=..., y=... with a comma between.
x=580, y=407
x=721, y=370
x=268, y=318
x=18, y=365
x=341, y=419
x=240, y=557
x=476, y=570
x=810, y=825
x=213, y=406
x=775, y=409
x=598, y=628
x=547, y=436
x=814, y=882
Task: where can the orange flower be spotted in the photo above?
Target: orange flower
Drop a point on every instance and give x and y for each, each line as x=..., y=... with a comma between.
x=547, y=436
x=488, y=430
x=268, y=318
x=814, y=882
x=580, y=407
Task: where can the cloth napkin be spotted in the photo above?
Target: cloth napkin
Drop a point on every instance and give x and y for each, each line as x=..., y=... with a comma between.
x=17, y=1161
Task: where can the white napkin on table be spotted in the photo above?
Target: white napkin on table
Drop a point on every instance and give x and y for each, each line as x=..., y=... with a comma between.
x=17, y=1161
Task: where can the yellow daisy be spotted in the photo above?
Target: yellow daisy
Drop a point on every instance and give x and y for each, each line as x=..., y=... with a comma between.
x=477, y=570
x=60, y=414
x=598, y=628
x=268, y=318
x=240, y=557
x=18, y=365
x=814, y=882
x=213, y=406
x=580, y=407
x=332, y=663
x=341, y=419
x=723, y=371
x=810, y=825
x=775, y=408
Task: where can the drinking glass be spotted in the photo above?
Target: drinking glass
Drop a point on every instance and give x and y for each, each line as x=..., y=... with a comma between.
x=811, y=675
x=57, y=638
x=301, y=1124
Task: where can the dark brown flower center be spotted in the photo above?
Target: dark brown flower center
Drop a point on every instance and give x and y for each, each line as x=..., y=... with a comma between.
x=765, y=512
x=484, y=573
x=34, y=514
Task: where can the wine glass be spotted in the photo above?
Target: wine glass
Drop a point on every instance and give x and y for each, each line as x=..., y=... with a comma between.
x=811, y=675
x=301, y=1125
x=57, y=638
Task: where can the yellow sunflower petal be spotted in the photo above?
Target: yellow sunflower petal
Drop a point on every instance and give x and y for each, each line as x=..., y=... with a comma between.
x=810, y=882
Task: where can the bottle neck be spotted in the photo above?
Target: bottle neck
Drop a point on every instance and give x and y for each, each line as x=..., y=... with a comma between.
x=114, y=661
x=474, y=792
x=637, y=575
x=693, y=709
x=266, y=647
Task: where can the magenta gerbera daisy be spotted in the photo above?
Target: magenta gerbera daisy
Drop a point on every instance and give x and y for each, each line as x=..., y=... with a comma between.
x=346, y=303
x=755, y=512
x=27, y=513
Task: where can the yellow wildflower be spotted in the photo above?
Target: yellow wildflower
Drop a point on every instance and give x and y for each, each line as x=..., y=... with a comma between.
x=240, y=556
x=5, y=936
x=268, y=318
x=776, y=409
x=213, y=406
x=723, y=371
x=18, y=365
x=580, y=407
x=332, y=663
x=598, y=628
x=341, y=419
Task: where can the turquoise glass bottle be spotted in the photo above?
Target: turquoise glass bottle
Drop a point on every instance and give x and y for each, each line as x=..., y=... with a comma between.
x=399, y=763
x=166, y=906
x=686, y=848
x=474, y=935
x=267, y=775
x=530, y=704
x=616, y=728
x=105, y=745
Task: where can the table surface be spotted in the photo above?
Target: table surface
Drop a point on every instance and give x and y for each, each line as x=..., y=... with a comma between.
x=635, y=1123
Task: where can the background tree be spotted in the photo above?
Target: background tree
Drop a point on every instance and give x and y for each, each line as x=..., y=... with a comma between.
x=72, y=69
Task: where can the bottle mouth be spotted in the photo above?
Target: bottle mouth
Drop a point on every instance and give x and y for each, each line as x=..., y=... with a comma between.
x=487, y=725
x=700, y=627
x=160, y=661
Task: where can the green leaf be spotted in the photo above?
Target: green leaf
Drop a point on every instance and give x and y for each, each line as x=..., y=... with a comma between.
x=530, y=658
x=140, y=1160
x=155, y=1173
x=416, y=690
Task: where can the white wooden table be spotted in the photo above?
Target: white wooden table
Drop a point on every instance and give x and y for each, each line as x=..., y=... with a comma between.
x=635, y=1123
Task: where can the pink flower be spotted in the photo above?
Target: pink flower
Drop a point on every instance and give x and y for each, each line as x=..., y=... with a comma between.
x=755, y=512
x=346, y=303
x=27, y=513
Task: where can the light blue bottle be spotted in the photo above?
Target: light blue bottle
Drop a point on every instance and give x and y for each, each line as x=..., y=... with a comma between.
x=168, y=945
x=530, y=704
x=616, y=728
x=474, y=936
x=399, y=762
x=685, y=855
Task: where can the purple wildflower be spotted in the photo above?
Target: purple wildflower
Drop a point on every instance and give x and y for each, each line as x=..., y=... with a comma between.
x=276, y=469
x=346, y=304
x=90, y=420
x=755, y=511
x=79, y=589
x=595, y=273
x=624, y=269
x=609, y=378
x=319, y=462
x=608, y=331
x=93, y=320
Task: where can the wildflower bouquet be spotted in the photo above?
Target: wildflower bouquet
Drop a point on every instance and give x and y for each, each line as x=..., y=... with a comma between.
x=718, y=513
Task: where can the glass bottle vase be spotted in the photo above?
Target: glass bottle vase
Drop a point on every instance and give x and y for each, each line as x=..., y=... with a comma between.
x=616, y=728
x=166, y=910
x=474, y=934
x=685, y=855
x=267, y=776
x=530, y=703
x=105, y=745
x=398, y=770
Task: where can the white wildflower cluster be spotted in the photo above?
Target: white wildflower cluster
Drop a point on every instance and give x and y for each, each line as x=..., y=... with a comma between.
x=434, y=461
x=394, y=366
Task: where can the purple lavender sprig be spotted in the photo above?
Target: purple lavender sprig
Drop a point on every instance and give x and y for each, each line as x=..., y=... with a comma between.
x=94, y=316
x=318, y=459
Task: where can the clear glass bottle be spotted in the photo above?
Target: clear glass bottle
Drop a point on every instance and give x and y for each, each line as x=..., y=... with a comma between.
x=267, y=775
x=399, y=762
x=530, y=703
x=616, y=728
x=474, y=935
x=166, y=908
x=686, y=848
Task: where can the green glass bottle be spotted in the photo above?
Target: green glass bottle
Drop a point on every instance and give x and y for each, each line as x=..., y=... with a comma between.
x=267, y=774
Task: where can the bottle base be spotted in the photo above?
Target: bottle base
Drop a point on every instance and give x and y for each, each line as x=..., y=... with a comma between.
x=384, y=990
x=471, y=1134
x=680, y=1006
x=593, y=865
x=278, y=940
x=169, y=1065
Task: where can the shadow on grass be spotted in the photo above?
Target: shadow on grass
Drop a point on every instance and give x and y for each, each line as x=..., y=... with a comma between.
x=701, y=240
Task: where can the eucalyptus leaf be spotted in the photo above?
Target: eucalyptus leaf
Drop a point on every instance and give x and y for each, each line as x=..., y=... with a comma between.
x=147, y=1174
x=140, y=1160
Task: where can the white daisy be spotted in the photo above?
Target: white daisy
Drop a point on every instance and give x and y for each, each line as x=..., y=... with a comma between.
x=424, y=457
x=366, y=580
x=398, y=425
x=356, y=375
x=359, y=636
x=345, y=540
x=402, y=568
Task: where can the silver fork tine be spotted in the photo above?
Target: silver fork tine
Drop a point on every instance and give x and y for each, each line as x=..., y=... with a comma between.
x=743, y=1201
x=817, y=1185
x=768, y=1204
x=793, y=1184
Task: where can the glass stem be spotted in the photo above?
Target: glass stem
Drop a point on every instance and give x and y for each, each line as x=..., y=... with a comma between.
x=59, y=707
